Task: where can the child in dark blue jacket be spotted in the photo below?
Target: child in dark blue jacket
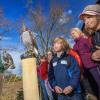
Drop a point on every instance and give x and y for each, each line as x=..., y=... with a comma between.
x=64, y=73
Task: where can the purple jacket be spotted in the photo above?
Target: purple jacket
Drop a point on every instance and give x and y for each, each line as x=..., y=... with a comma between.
x=82, y=47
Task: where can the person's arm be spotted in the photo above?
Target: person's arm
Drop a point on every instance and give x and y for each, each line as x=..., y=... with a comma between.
x=96, y=41
x=98, y=47
x=44, y=69
x=73, y=53
x=51, y=76
x=75, y=75
x=74, y=72
x=75, y=47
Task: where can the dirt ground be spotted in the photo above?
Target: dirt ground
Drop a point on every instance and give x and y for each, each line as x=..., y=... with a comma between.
x=9, y=90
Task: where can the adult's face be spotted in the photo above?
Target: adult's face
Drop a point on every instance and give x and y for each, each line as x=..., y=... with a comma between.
x=75, y=34
x=91, y=22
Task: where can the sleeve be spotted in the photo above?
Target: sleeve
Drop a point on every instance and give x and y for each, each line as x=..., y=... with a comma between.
x=85, y=54
x=51, y=76
x=44, y=70
x=85, y=46
x=96, y=38
x=75, y=47
x=73, y=53
x=95, y=41
x=75, y=73
x=82, y=46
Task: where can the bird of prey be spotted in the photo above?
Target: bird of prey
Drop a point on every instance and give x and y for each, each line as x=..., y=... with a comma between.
x=29, y=40
x=7, y=60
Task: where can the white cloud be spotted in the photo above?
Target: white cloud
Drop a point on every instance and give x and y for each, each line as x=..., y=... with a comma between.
x=64, y=18
x=5, y=38
x=69, y=11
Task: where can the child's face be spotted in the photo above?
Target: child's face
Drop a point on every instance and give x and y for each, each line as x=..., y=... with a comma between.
x=42, y=60
x=74, y=34
x=57, y=47
x=91, y=22
x=49, y=56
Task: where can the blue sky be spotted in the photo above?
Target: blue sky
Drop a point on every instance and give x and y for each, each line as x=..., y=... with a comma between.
x=15, y=9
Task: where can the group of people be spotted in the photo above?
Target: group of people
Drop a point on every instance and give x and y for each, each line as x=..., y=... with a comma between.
x=63, y=72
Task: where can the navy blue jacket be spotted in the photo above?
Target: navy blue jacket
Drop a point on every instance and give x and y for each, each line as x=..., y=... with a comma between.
x=64, y=71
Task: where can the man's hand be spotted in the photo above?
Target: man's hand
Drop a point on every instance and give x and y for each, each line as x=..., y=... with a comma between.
x=68, y=90
x=98, y=47
x=58, y=90
x=96, y=55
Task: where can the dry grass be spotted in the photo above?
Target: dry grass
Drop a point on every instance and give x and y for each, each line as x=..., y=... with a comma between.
x=9, y=90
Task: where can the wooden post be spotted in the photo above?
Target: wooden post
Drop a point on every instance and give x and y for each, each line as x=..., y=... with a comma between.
x=30, y=81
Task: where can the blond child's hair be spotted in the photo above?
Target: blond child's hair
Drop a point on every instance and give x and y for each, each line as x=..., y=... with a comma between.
x=65, y=44
x=77, y=30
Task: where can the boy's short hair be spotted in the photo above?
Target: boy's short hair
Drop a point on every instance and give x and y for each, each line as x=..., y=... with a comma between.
x=65, y=44
x=92, y=10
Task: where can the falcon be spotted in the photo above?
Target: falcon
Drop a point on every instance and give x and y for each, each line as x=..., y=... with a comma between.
x=29, y=41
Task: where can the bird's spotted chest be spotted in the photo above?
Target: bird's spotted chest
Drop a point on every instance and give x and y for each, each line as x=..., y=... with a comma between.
x=26, y=37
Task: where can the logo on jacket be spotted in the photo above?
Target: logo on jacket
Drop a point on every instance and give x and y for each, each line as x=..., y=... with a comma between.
x=64, y=62
x=54, y=64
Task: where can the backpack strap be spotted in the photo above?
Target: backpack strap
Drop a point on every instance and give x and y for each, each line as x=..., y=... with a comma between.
x=74, y=54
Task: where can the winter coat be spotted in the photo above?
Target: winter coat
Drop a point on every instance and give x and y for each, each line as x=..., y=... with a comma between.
x=44, y=70
x=63, y=75
x=82, y=47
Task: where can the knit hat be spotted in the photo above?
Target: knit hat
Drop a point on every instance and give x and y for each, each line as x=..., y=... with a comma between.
x=91, y=10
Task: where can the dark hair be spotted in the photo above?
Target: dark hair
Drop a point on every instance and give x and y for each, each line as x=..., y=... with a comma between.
x=43, y=57
x=82, y=28
x=50, y=50
x=98, y=2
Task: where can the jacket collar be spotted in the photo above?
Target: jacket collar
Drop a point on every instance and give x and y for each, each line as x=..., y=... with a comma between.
x=62, y=55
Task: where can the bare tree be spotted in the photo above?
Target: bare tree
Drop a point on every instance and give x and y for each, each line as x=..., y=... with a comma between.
x=49, y=26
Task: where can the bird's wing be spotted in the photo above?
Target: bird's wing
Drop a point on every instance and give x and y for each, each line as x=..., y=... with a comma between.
x=10, y=57
x=33, y=40
x=36, y=51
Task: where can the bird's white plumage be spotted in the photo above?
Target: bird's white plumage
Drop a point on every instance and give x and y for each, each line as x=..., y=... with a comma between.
x=28, y=41
x=26, y=37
